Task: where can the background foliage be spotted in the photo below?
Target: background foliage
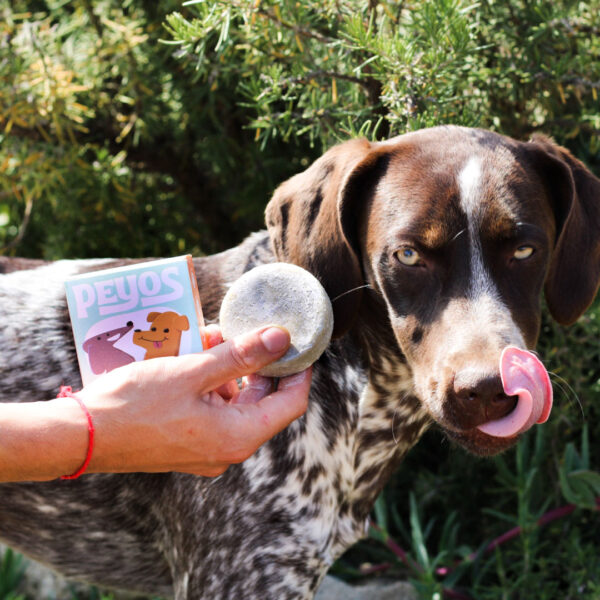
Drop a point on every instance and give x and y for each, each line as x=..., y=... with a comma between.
x=151, y=127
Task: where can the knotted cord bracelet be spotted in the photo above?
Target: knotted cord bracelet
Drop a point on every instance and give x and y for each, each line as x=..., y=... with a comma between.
x=67, y=392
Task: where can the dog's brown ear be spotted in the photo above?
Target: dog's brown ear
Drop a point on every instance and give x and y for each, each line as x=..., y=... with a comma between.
x=312, y=221
x=151, y=316
x=574, y=273
x=182, y=323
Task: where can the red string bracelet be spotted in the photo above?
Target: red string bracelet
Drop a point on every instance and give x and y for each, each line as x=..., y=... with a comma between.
x=67, y=392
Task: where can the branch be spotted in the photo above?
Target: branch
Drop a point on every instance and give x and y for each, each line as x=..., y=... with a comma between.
x=295, y=28
x=367, y=83
x=93, y=18
x=575, y=80
x=548, y=517
x=402, y=555
x=22, y=228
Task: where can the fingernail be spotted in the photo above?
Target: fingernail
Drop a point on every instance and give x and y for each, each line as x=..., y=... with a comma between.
x=275, y=339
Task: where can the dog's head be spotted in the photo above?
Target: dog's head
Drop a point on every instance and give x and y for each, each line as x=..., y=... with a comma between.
x=164, y=336
x=456, y=232
x=106, y=338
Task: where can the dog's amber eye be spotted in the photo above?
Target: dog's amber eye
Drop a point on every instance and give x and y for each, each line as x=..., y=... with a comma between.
x=408, y=256
x=523, y=252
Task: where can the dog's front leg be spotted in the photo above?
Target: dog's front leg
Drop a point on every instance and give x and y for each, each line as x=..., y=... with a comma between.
x=258, y=577
x=251, y=533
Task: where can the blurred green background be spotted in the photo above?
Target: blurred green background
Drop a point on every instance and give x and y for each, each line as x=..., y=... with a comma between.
x=153, y=128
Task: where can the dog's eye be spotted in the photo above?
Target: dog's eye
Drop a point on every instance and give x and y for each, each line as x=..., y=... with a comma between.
x=166, y=330
x=152, y=328
x=523, y=252
x=408, y=256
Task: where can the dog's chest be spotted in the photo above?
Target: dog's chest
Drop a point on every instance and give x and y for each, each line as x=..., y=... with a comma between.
x=313, y=462
x=321, y=475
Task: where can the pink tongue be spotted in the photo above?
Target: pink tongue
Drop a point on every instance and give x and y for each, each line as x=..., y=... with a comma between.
x=524, y=375
x=157, y=344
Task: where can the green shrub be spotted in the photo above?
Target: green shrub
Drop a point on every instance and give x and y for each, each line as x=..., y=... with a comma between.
x=119, y=136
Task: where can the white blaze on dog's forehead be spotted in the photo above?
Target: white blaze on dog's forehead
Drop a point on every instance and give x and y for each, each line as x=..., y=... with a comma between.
x=469, y=182
x=485, y=309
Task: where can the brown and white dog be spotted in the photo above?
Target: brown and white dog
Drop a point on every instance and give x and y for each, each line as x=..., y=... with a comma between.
x=435, y=248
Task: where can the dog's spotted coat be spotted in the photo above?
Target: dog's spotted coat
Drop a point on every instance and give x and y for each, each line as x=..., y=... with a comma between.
x=463, y=203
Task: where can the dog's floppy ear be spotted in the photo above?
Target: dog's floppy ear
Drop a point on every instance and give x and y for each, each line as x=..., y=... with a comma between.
x=182, y=323
x=574, y=273
x=151, y=316
x=312, y=221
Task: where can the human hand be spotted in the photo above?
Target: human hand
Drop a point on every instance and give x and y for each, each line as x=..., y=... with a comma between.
x=187, y=413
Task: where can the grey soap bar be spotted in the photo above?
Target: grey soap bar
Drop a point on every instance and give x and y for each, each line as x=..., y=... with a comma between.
x=285, y=295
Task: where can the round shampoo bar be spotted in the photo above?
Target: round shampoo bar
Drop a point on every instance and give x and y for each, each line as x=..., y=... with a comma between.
x=285, y=295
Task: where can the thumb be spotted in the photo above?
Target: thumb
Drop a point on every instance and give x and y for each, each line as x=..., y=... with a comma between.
x=243, y=355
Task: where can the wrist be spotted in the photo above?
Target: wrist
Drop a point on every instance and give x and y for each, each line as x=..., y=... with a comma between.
x=66, y=392
x=41, y=440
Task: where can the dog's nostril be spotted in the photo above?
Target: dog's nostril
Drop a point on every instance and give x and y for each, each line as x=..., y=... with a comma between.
x=500, y=406
x=501, y=398
x=507, y=401
x=479, y=398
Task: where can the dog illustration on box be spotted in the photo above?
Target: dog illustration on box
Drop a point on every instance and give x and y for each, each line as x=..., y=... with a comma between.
x=101, y=351
x=164, y=336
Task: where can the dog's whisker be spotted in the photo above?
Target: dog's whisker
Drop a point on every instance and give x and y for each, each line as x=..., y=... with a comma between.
x=360, y=287
x=569, y=396
x=563, y=389
x=458, y=234
x=563, y=384
x=558, y=380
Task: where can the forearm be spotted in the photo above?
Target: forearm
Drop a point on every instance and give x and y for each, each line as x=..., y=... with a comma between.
x=40, y=441
x=158, y=415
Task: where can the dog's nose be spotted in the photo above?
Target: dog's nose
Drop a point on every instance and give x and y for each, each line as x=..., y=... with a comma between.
x=480, y=398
